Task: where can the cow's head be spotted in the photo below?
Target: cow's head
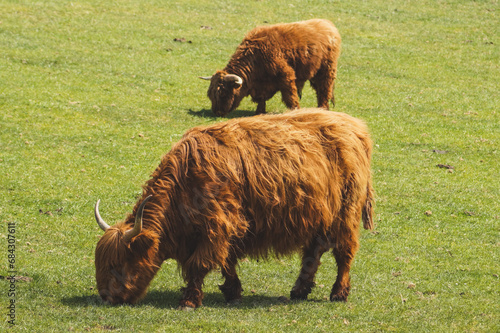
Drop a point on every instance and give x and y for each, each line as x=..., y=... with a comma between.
x=125, y=259
x=224, y=92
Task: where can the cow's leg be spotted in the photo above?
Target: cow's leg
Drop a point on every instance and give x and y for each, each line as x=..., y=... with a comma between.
x=289, y=93
x=286, y=83
x=192, y=295
x=300, y=86
x=323, y=84
x=232, y=285
x=311, y=256
x=344, y=250
x=333, y=93
x=261, y=107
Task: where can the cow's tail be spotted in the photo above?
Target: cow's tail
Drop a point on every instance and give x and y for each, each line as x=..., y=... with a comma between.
x=367, y=214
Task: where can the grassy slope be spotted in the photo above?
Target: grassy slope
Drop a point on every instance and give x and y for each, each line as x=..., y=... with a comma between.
x=93, y=93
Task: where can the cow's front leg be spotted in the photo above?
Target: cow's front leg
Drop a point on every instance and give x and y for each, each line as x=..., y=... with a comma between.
x=300, y=86
x=192, y=295
x=288, y=86
x=232, y=285
x=290, y=96
x=261, y=107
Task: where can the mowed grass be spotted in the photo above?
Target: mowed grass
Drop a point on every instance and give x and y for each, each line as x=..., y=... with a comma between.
x=93, y=93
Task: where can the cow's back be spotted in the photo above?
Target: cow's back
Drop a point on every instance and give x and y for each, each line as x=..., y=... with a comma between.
x=304, y=45
x=296, y=34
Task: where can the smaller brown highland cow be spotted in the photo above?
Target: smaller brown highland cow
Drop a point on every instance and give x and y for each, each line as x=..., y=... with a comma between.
x=279, y=57
x=278, y=184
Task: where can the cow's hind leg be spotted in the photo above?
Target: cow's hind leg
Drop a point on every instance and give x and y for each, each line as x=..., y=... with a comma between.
x=323, y=83
x=311, y=256
x=343, y=252
x=232, y=285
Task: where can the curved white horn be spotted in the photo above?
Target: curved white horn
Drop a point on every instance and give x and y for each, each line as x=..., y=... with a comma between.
x=233, y=78
x=205, y=77
x=103, y=225
x=129, y=234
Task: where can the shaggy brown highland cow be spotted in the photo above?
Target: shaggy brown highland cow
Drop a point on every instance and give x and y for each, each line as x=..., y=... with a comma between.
x=279, y=57
x=278, y=184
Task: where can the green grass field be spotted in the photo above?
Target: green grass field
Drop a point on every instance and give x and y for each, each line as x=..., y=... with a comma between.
x=93, y=93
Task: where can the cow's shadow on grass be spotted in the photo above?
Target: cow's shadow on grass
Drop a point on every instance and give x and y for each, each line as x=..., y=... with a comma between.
x=206, y=113
x=169, y=299
x=82, y=301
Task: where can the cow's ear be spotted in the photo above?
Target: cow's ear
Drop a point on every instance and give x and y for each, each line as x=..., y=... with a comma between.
x=143, y=243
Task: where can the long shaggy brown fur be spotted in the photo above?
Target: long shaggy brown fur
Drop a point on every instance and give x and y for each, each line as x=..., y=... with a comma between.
x=280, y=57
x=278, y=184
